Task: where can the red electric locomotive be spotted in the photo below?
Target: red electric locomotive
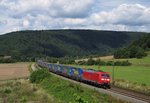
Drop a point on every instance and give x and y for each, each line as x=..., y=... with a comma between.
x=98, y=78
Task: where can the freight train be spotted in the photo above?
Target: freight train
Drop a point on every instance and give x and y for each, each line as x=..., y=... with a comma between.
x=96, y=78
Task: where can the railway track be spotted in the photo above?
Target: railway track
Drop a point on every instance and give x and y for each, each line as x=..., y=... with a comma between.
x=139, y=96
x=120, y=93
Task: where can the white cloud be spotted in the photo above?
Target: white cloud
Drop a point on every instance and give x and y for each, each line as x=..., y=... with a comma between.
x=25, y=23
x=56, y=8
x=72, y=14
x=75, y=21
x=124, y=15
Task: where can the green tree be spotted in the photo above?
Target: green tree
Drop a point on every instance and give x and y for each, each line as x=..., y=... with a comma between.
x=39, y=75
x=90, y=62
x=140, y=53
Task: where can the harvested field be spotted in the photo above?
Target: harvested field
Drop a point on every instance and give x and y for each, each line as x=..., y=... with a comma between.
x=104, y=58
x=14, y=70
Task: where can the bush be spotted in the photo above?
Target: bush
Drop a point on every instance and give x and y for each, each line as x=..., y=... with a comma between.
x=110, y=63
x=81, y=62
x=23, y=99
x=79, y=99
x=122, y=63
x=7, y=90
x=100, y=62
x=39, y=75
x=125, y=63
x=7, y=60
x=90, y=62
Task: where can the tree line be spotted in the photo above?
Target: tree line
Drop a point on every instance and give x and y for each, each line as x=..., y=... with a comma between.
x=90, y=61
x=104, y=63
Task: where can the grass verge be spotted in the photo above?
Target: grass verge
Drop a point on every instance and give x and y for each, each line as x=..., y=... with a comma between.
x=30, y=68
x=22, y=91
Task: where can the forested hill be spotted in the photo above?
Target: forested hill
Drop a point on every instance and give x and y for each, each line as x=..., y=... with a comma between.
x=60, y=43
x=136, y=49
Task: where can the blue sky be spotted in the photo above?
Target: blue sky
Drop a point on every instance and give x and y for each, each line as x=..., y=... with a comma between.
x=118, y=15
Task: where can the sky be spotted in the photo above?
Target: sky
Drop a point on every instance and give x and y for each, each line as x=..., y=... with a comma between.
x=116, y=15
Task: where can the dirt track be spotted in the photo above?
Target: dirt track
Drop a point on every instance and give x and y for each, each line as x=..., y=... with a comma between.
x=15, y=70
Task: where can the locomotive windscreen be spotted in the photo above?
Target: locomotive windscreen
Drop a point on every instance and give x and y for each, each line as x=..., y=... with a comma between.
x=105, y=75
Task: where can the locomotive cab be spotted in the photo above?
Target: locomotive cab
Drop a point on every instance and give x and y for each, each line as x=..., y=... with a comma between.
x=104, y=79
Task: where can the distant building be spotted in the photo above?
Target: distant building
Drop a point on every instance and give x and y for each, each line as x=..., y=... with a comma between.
x=5, y=57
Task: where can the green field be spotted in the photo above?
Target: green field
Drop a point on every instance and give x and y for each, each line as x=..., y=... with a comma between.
x=138, y=72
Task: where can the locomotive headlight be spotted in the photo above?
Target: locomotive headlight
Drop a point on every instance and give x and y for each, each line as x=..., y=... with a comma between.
x=108, y=79
x=102, y=79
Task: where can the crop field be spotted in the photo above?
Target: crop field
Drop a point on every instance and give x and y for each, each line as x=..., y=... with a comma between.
x=14, y=70
x=105, y=58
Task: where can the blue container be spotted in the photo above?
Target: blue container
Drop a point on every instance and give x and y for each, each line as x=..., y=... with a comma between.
x=55, y=67
x=50, y=66
x=65, y=70
x=60, y=68
x=75, y=72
